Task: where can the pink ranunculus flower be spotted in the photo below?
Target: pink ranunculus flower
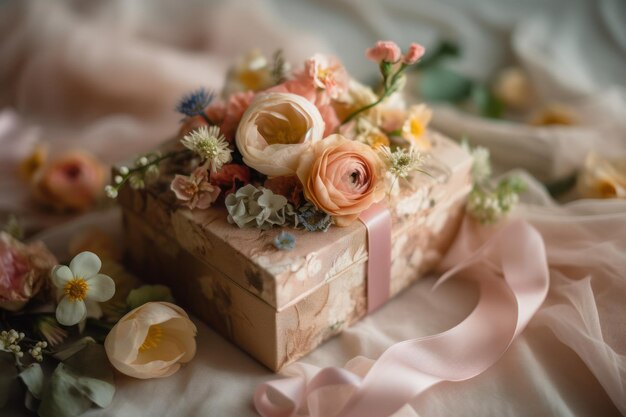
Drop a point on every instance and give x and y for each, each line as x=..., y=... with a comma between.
x=342, y=177
x=384, y=51
x=415, y=52
x=231, y=177
x=72, y=181
x=275, y=130
x=151, y=341
x=195, y=190
x=236, y=106
x=327, y=74
x=24, y=271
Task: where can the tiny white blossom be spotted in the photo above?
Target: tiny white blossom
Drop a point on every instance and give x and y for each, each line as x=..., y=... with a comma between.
x=124, y=170
x=210, y=145
x=402, y=162
x=110, y=191
x=80, y=282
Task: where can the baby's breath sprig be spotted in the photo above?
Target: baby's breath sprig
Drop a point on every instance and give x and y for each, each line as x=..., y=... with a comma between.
x=145, y=171
x=488, y=203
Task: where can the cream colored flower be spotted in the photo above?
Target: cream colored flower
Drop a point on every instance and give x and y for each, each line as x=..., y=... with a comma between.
x=414, y=128
x=151, y=341
x=80, y=282
x=513, y=88
x=251, y=72
x=275, y=130
x=602, y=177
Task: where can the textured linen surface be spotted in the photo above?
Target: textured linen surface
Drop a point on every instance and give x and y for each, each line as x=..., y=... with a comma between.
x=105, y=77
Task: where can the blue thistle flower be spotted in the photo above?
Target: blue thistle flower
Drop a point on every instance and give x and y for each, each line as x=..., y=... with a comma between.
x=313, y=219
x=285, y=241
x=194, y=103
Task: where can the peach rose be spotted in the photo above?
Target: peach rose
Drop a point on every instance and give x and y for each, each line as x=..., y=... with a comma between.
x=151, y=341
x=342, y=177
x=305, y=87
x=24, y=271
x=72, y=181
x=275, y=130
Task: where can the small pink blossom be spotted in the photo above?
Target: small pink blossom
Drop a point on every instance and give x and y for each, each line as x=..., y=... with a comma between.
x=327, y=73
x=415, y=52
x=236, y=106
x=300, y=86
x=384, y=51
x=195, y=190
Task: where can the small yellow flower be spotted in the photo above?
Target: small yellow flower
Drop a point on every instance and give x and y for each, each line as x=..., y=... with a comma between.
x=554, y=114
x=602, y=178
x=29, y=165
x=513, y=88
x=415, y=125
x=251, y=72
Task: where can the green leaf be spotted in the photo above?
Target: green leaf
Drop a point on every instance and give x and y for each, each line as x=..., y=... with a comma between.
x=73, y=348
x=83, y=379
x=486, y=103
x=33, y=378
x=148, y=293
x=444, y=50
x=442, y=84
x=8, y=376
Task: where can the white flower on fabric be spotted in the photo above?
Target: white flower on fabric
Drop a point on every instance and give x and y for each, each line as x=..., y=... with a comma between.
x=80, y=282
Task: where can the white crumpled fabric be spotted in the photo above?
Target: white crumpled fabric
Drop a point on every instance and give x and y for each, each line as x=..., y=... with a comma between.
x=105, y=77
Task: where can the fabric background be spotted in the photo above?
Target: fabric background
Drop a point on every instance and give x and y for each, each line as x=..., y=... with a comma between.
x=105, y=77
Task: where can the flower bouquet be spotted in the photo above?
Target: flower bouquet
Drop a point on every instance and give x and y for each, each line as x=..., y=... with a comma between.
x=224, y=213
x=63, y=328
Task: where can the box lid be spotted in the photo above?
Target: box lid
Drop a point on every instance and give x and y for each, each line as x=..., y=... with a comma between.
x=248, y=256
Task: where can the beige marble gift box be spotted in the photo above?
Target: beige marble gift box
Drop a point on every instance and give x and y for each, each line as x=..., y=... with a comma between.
x=280, y=305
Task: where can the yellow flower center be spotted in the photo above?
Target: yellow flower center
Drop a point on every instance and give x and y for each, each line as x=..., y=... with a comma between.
x=153, y=338
x=416, y=128
x=76, y=289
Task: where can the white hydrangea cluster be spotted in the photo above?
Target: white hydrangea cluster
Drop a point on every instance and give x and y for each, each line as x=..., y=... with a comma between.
x=257, y=207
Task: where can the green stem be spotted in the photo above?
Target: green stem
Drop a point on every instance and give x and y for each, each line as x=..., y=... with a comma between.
x=389, y=88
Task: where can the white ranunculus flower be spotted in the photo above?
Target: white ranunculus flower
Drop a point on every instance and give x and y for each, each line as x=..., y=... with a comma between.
x=151, y=341
x=80, y=282
x=275, y=130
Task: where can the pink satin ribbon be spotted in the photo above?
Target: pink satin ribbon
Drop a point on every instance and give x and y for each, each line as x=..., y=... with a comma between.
x=377, y=221
x=512, y=274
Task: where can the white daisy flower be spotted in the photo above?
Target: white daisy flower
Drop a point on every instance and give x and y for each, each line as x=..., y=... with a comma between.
x=80, y=282
x=209, y=143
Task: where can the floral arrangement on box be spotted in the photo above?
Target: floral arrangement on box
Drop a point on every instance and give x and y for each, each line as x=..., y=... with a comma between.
x=63, y=328
x=307, y=148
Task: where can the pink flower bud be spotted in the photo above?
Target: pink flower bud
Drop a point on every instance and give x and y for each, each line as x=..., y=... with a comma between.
x=384, y=51
x=415, y=52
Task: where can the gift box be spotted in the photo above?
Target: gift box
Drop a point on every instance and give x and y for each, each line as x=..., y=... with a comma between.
x=278, y=305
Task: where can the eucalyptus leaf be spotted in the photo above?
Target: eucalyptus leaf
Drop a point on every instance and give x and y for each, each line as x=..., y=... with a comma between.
x=33, y=378
x=148, y=293
x=442, y=84
x=8, y=376
x=83, y=379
